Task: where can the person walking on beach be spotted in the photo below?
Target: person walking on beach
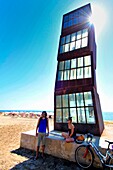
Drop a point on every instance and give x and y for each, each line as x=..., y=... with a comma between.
x=71, y=135
x=41, y=127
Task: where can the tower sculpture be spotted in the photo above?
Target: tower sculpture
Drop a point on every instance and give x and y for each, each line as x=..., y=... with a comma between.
x=75, y=92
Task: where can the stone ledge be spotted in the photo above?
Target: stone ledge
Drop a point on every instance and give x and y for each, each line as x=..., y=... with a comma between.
x=56, y=146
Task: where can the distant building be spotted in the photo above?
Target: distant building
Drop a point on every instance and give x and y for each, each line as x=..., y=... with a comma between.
x=75, y=87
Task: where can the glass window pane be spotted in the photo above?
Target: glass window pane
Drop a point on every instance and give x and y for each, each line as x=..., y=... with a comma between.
x=80, y=101
x=66, y=47
x=60, y=75
x=87, y=60
x=80, y=62
x=61, y=65
x=76, y=21
x=65, y=25
x=73, y=74
x=73, y=37
x=79, y=35
x=76, y=14
x=72, y=46
x=88, y=99
x=66, y=18
x=80, y=73
x=85, y=33
x=65, y=100
x=72, y=100
x=87, y=72
x=71, y=16
x=58, y=115
x=84, y=42
x=62, y=40
x=67, y=64
x=70, y=23
x=73, y=63
x=67, y=38
x=73, y=115
x=58, y=101
x=65, y=115
x=66, y=75
x=82, y=19
x=81, y=115
x=62, y=49
x=78, y=44
x=90, y=115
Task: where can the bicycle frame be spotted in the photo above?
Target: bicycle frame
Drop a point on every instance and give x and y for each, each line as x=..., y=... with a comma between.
x=103, y=158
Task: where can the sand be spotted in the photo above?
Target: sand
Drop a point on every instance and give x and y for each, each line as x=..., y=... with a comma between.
x=10, y=133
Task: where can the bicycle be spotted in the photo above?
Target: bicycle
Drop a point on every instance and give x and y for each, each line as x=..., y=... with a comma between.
x=84, y=155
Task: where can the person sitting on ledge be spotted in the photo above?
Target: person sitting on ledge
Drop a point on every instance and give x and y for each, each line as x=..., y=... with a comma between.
x=41, y=127
x=70, y=136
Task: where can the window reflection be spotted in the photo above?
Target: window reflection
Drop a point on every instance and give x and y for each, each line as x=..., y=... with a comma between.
x=62, y=40
x=62, y=49
x=73, y=114
x=80, y=107
x=84, y=42
x=60, y=75
x=65, y=100
x=77, y=17
x=87, y=72
x=80, y=101
x=78, y=35
x=74, y=41
x=58, y=101
x=67, y=38
x=79, y=73
x=78, y=44
x=73, y=74
x=67, y=64
x=65, y=115
x=90, y=115
x=81, y=115
x=72, y=100
x=66, y=75
x=87, y=60
x=58, y=115
x=80, y=62
x=72, y=46
x=85, y=33
x=77, y=68
x=73, y=37
x=88, y=99
x=66, y=47
x=61, y=65
x=73, y=63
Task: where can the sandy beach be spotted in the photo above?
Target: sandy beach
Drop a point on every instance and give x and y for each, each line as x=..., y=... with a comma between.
x=10, y=132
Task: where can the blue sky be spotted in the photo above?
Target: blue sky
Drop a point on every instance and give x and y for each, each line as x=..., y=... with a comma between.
x=29, y=38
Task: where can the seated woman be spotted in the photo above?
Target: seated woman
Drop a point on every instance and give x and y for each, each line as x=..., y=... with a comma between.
x=70, y=136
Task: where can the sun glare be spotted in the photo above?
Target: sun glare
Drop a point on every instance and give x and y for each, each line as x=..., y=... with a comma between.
x=98, y=18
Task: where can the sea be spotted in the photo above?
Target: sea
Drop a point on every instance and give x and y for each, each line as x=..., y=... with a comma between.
x=107, y=116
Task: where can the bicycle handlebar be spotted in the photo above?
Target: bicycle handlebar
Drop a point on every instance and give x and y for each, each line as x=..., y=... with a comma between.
x=89, y=136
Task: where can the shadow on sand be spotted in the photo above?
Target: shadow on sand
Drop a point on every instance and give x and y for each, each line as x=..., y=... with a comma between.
x=47, y=163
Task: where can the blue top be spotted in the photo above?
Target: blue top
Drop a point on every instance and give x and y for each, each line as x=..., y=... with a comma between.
x=42, y=126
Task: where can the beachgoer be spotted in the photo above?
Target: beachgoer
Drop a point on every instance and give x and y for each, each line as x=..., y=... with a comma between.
x=41, y=127
x=70, y=136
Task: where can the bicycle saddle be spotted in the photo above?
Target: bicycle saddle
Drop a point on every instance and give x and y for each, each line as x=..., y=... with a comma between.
x=109, y=142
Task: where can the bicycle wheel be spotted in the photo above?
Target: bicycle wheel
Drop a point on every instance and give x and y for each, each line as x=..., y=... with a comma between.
x=111, y=164
x=84, y=156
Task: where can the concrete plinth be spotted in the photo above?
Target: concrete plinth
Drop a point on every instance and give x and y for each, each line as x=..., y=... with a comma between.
x=56, y=145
